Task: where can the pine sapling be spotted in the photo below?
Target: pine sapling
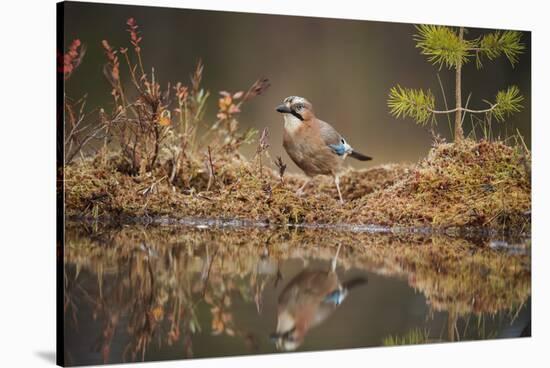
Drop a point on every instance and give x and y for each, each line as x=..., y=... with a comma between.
x=447, y=47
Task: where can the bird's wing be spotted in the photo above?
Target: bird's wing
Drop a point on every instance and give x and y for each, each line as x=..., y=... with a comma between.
x=333, y=139
x=336, y=297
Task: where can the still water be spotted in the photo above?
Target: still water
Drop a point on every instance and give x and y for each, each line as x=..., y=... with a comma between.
x=155, y=293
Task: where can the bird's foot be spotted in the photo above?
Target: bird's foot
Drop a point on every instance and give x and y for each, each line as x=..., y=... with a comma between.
x=301, y=191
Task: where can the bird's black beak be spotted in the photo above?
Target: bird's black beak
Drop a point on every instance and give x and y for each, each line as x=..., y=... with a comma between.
x=285, y=335
x=283, y=109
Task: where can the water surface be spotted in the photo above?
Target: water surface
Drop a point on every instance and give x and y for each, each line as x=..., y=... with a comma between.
x=155, y=293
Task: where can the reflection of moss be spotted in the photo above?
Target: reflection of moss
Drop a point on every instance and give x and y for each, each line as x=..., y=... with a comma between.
x=450, y=272
x=415, y=336
x=469, y=184
x=161, y=276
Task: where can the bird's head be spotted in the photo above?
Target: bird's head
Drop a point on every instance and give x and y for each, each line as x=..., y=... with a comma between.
x=297, y=108
x=288, y=336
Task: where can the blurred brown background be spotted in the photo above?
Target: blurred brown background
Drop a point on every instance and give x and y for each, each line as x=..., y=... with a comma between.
x=344, y=67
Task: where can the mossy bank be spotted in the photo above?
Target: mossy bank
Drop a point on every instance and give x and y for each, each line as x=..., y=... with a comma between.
x=482, y=185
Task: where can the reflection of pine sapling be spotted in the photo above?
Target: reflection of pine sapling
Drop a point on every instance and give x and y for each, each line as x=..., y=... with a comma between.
x=445, y=46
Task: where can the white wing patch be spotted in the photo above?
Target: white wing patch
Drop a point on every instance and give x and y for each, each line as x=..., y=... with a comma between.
x=347, y=147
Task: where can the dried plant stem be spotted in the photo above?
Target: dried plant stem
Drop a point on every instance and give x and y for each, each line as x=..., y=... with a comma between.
x=444, y=101
x=140, y=63
x=211, y=171
x=459, y=133
x=132, y=73
x=282, y=168
x=175, y=167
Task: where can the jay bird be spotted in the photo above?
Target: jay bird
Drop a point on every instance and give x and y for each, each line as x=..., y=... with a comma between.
x=314, y=145
x=308, y=300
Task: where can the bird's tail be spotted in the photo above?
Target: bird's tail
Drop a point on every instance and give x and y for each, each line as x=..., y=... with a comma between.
x=359, y=156
x=357, y=281
x=337, y=296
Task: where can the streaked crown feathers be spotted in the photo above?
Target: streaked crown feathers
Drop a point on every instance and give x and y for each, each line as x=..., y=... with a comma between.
x=297, y=102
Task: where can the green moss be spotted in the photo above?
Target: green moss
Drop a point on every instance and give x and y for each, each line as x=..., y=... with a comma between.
x=470, y=184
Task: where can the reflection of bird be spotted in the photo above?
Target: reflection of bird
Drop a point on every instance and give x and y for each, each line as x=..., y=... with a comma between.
x=315, y=146
x=309, y=299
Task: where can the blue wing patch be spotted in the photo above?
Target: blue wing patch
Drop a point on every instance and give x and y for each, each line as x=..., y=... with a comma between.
x=336, y=297
x=340, y=149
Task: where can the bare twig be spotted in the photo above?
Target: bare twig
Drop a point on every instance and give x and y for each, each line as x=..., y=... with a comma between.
x=464, y=109
x=175, y=165
x=211, y=170
x=263, y=145
x=80, y=132
x=152, y=187
x=282, y=168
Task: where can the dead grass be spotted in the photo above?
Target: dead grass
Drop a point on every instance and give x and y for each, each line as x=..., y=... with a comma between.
x=469, y=184
x=481, y=185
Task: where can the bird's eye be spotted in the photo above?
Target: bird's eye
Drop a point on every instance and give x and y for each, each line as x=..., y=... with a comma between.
x=299, y=107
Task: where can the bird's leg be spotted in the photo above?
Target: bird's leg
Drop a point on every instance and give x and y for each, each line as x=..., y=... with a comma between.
x=335, y=259
x=300, y=192
x=337, y=182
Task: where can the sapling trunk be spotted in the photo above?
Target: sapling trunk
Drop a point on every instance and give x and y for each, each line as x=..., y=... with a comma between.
x=459, y=133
